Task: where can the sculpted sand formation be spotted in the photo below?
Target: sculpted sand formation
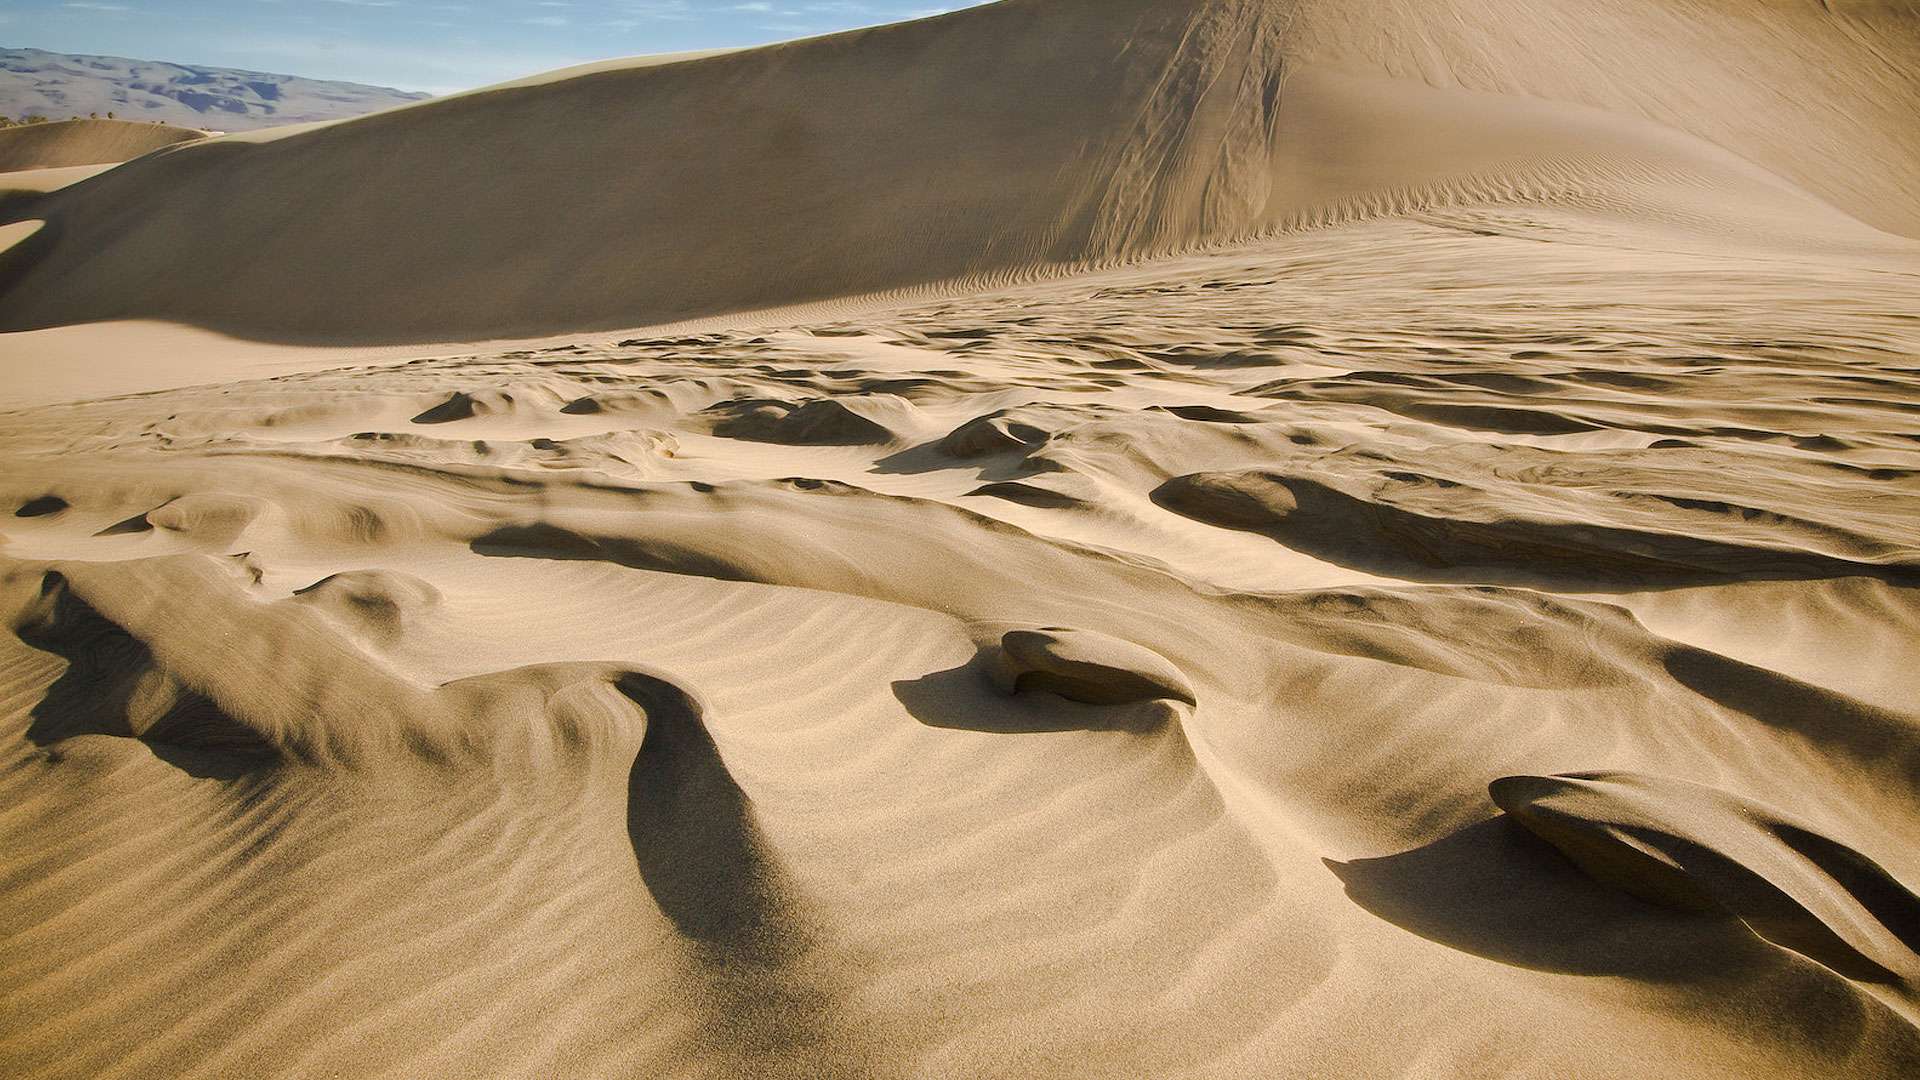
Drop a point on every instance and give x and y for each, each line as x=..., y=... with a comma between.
x=1207, y=538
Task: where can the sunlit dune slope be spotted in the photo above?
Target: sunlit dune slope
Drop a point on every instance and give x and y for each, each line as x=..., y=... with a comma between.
x=66, y=143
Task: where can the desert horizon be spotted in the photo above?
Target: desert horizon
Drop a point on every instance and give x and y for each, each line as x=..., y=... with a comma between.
x=1082, y=538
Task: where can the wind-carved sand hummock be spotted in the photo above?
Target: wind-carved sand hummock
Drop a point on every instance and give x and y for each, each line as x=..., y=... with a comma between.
x=1264, y=539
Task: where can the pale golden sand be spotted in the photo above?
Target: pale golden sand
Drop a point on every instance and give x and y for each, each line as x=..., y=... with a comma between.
x=1411, y=570
x=65, y=144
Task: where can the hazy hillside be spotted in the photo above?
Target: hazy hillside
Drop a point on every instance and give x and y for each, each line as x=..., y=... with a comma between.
x=61, y=85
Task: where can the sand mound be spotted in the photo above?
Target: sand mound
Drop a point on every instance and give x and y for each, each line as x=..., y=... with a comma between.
x=114, y=684
x=287, y=686
x=868, y=420
x=213, y=520
x=1186, y=123
x=1000, y=432
x=619, y=402
x=1083, y=666
x=383, y=601
x=465, y=406
x=1692, y=847
x=66, y=143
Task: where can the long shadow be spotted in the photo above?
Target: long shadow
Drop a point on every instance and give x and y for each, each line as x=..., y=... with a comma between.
x=920, y=458
x=18, y=260
x=712, y=873
x=1873, y=736
x=107, y=669
x=694, y=837
x=544, y=541
x=963, y=698
x=1495, y=890
x=1380, y=538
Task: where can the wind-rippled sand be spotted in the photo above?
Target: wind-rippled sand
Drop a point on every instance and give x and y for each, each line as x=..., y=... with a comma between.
x=631, y=707
x=1467, y=633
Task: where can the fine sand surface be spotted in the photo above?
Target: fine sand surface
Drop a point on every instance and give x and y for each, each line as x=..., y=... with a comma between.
x=62, y=144
x=1364, y=539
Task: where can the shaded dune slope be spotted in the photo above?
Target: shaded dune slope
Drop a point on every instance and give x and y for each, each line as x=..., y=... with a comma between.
x=66, y=143
x=992, y=142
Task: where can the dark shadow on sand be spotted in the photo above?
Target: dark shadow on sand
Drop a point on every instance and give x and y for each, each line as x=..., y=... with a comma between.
x=1380, y=538
x=694, y=836
x=1495, y=890
x=963, y=698
x=95, y=695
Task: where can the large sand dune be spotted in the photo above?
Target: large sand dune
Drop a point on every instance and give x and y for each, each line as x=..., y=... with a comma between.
x=1286, y=540
x=66, y=143
x=992, y=143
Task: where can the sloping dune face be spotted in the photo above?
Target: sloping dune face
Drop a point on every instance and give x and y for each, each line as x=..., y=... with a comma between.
x=1463, y=621
x=66, y=143
x=1000, y=141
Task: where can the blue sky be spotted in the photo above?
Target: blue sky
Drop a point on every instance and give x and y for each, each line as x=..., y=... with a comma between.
x=433, y=45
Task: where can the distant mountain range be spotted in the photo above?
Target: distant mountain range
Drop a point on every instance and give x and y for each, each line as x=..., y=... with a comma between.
x=62, y=85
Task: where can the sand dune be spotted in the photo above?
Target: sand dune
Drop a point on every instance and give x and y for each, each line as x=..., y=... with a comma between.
x=65, y=143
x=1293, y=540
x=1030, y=134
x=1687, y=846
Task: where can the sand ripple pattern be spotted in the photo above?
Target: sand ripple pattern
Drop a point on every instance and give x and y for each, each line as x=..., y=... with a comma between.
x=1103, y=676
